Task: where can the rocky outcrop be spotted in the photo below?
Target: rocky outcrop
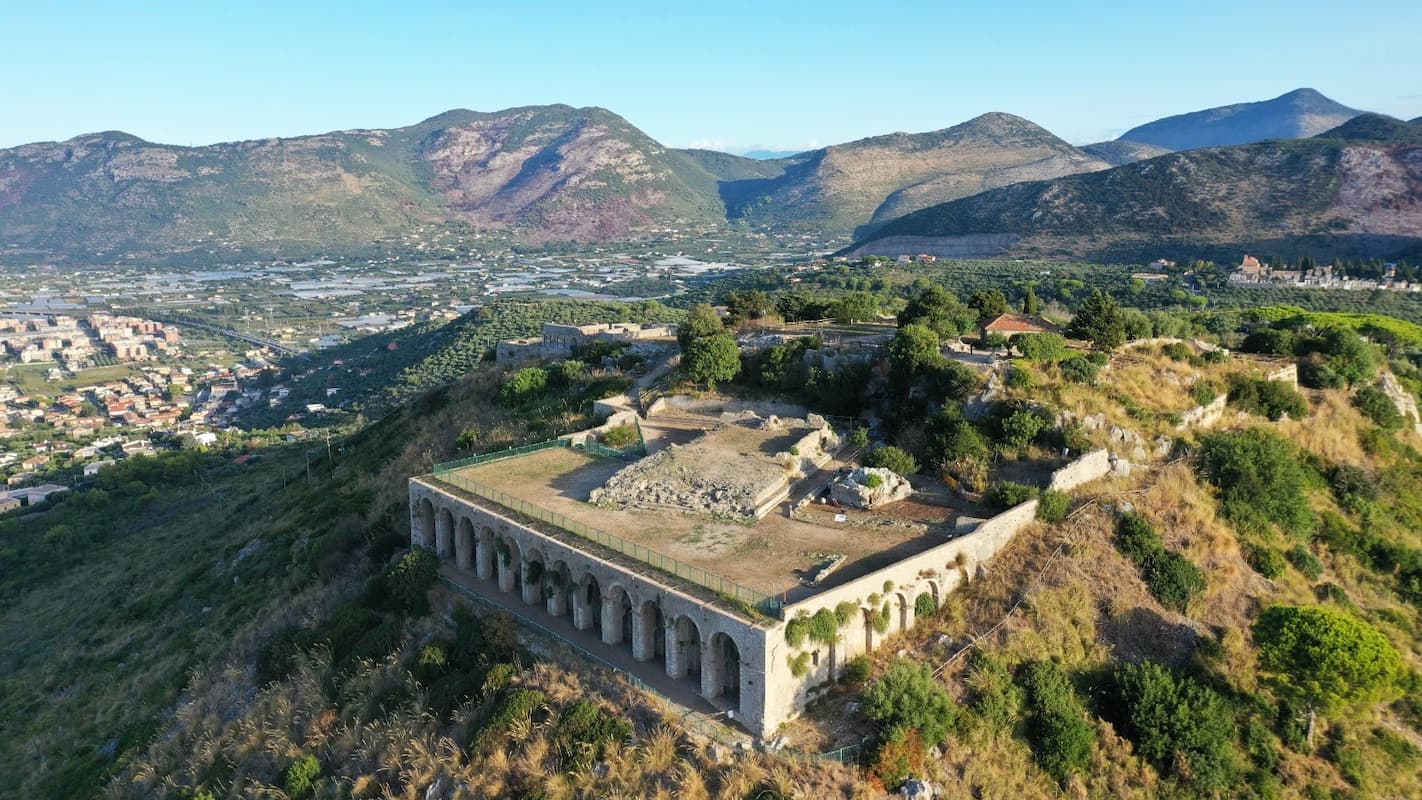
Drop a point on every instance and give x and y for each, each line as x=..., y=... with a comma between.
x=1406, y=404
x=869, y=487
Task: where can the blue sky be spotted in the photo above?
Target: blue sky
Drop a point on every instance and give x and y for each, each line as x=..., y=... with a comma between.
x=731, y=75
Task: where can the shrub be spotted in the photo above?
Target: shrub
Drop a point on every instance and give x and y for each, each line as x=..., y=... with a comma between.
x=1204, y=392
x=1079, y=370
x=1173, y=580
x=799, y=664
x=893, y=459
x=900, y=756
x=1316, y=374
x=1021, y=427
x=859, y=438
x=1183, y=726
x=410, y=580
x=517, y=705
x=1305, y=562
x=908, y=698
x=1006, y=494
x=1040, y=346
x=923, y=605
x=1271, y=399
x=1018, y=377
x=1177, y=351
x=523, y=386
x=857, y=670
x=1061, y=738
x=620, y=436
x=1216, y=356
x=1053, y=506
x=1136, y=539
x=1269, y=342
x=873, y=480
x=584, y=728
x=1266, y=561
x=824, y=627
x=1260, y=477
x=1378, y=407
x=301, y=777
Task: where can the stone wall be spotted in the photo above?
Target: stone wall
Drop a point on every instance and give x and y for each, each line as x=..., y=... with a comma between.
x=1205, y=416
x=1289, y=373
x=500, y=553
x=674, y=403
x=1086, y=469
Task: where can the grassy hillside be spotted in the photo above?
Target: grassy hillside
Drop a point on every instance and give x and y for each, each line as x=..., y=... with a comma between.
x=234, y=630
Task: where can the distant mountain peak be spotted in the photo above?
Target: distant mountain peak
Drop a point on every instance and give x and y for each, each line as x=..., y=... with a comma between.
x=1298, y=114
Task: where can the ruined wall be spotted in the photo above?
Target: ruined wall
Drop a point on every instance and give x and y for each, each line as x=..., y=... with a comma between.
x=1086, y=469
x=674, y=403
x=1205, y=416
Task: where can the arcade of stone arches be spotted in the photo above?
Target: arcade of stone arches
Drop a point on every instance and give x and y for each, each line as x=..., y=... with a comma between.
x=562, y=588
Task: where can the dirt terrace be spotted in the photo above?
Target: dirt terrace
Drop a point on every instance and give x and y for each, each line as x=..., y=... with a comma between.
x=769, y=556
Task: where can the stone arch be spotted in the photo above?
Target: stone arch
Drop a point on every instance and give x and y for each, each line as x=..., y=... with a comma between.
x=557, y=580
x=587, y=604
x=721, y=674
x=510, y=563
x=683, y=648
x=616, y=615
x=937, y=593
x=424, y=523
x=484, y=555
x=464, y=544
x=531, y=576
x=904, y=609
x=444, y=533
x=870, y=635
x=649, y=632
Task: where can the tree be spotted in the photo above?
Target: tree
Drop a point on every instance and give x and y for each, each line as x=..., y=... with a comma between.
x=910, y=698
x=913, y=349
x=856, y=307
x=701, y=321
x=1100, y=321
x=748, y=305
x=940, y=311
x=1326, y=658
x=1030, y=303
x=711, y=359
x=989, y=303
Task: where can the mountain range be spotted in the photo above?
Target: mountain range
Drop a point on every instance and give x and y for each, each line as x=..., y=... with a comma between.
x=1355, y=190
x=558, y=173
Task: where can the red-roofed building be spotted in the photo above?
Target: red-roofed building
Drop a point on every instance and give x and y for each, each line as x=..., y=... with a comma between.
x=1008, y=324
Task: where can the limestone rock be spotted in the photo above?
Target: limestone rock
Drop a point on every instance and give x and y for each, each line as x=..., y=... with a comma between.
x=917, y=789
x=854, y=490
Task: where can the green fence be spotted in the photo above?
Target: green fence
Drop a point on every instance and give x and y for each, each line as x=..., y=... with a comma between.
x=484, y=458
x=765, y=603
x=594, y=448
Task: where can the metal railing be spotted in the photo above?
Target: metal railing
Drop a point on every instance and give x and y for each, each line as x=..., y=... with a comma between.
x=484, y=458
x=766, y=604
